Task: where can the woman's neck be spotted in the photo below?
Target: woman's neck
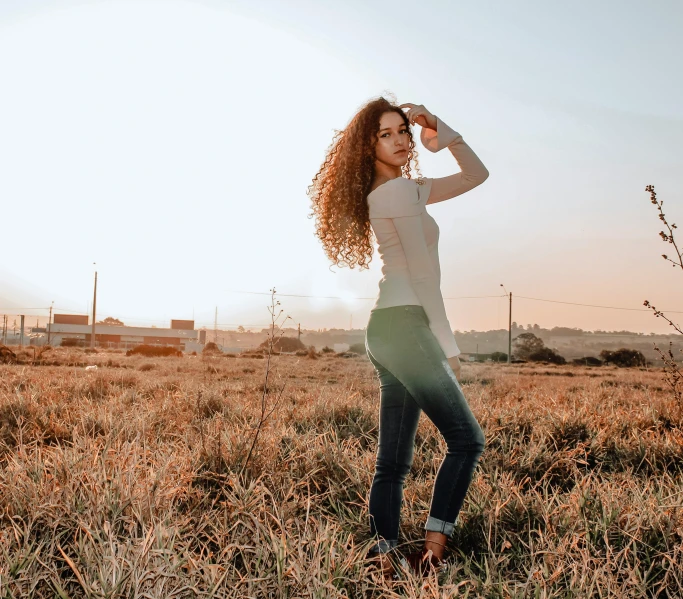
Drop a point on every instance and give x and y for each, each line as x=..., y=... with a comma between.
x=385, y=172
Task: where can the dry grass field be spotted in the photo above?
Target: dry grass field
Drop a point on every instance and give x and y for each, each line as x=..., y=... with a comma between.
x=125, y=481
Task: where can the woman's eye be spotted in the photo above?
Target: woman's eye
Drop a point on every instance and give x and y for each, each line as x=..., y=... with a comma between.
x=401, y=131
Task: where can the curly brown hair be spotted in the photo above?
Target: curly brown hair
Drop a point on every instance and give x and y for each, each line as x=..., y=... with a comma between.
x=340, y=188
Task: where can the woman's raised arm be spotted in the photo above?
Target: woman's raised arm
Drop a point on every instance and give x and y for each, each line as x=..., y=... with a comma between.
x=472, y=169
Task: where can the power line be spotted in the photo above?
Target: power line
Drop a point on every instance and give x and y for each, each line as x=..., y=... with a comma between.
x=596, y=306
x=346, y=298
x=538, y=299
x=464, y=297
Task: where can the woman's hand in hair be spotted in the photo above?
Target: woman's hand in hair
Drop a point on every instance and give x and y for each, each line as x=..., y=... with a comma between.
x=417, y=113
x=455, y=366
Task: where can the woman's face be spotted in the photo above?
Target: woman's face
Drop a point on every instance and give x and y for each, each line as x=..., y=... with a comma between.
x=393, y=140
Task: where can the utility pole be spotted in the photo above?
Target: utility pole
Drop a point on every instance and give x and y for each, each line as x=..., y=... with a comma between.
x=94, y=312
x=510, y=332
x=4, y=329
x=49, y=323
x=215, y=327
x=21, y=338
x=299, y=331
x=509, y=327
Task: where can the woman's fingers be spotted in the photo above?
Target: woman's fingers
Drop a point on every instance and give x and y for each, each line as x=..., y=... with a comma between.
x=411, y=114
x=417, y=111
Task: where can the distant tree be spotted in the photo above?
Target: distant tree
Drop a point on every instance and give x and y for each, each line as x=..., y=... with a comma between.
x=115, y=322
x=623, y=357
x=499, y=356
x=546, y=354
x=566, y=331
x=240, y=329
x=525, y=344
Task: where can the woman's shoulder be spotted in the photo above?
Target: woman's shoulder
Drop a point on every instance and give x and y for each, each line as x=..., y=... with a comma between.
x=397, y=197
x=400, y=182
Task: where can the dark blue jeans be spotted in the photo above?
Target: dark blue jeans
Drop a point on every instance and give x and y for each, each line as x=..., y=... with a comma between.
x=415, y=376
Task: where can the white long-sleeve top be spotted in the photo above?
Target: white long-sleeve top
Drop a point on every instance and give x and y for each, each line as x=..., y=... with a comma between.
x=408, y=236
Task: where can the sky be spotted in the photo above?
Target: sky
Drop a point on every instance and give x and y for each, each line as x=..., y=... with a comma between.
x=169, y=145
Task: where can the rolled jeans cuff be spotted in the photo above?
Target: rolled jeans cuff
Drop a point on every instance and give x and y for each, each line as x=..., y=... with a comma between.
x=383, y=546
x=436, y=525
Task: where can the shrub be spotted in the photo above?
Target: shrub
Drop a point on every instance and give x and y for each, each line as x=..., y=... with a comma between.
x=546, y=354
x=624, y=357
x=499, y=356
x=258, y=352
x=587, y=361
x=358, y=348
x=283, y=344
x=72, y=342
x=7, y=356
x=327, y=350
x=147, y=366
x=154, y=351
x=211, y=348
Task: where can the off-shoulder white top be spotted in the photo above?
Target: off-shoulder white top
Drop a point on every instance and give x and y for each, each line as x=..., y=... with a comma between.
x=408, y=236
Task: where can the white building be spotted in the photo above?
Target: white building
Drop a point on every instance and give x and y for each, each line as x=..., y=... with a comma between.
x=74, y=330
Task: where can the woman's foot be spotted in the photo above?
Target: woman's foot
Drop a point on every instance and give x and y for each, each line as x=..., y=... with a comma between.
x=383, y=563
x=436, y=541
x=424, y=561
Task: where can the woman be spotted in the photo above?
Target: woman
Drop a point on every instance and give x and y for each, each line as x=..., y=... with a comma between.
x=365, y=186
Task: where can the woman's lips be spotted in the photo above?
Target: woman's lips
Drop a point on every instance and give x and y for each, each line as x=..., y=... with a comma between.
x=401, y=152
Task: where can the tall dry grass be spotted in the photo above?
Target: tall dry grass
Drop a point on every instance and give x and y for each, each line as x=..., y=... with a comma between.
x=125, y=481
